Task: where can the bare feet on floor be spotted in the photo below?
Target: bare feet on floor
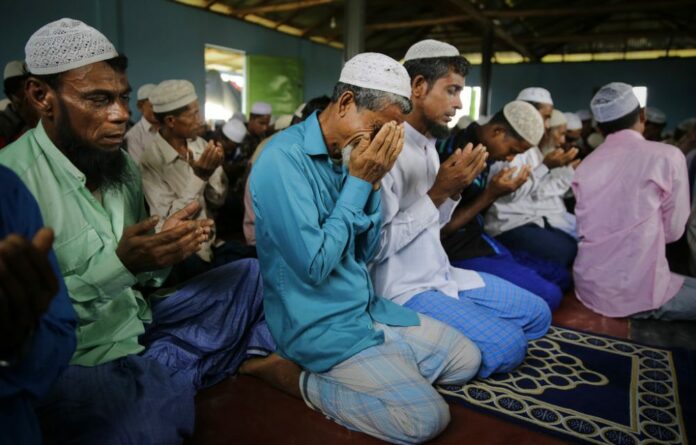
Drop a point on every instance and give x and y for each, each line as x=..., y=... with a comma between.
x=278, y=372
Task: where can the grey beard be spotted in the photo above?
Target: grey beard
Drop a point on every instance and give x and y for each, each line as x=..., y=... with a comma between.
x=345, y=154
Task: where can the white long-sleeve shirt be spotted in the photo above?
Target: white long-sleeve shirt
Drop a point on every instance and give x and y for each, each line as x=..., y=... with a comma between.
x=541, y=196
x=170, y=184
x=411, y=259
x=139, y=138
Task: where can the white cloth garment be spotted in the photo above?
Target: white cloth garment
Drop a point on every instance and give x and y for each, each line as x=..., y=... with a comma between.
x=139, y=138
x=170, y=184
x=538, y=198
x=411, y=259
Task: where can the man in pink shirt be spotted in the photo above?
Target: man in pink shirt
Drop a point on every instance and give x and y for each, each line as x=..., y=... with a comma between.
x=632, y=199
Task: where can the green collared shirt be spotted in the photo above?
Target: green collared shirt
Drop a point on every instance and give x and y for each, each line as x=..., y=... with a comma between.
x=87, y=231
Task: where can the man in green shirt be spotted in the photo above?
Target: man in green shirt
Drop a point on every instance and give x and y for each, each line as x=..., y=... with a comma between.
x=138, y=361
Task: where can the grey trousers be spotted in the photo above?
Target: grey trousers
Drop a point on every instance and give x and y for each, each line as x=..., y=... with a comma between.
x=681, y=307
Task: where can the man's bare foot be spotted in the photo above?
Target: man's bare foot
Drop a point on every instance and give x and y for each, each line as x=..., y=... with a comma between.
x=278, y=372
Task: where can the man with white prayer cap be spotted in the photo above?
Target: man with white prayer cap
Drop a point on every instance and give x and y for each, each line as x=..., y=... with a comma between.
x=510, y=132
x=233, y=133
x=655, y=123
x=520, y=219
x=138, y=362
x=18, y=116
x=140, y=136
x=259, y=126
x=587, y=126
x=315, y=191
x=419, y=195
x=180, y=167
x=632, y=199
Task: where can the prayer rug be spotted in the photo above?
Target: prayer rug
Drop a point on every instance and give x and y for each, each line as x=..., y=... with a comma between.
x=593, y=389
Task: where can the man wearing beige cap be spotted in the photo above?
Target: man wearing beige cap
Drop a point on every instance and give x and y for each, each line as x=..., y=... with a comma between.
x=140, y=136
x=138, y=361
x=18, y=116
x=369, y=364
x=180, y=167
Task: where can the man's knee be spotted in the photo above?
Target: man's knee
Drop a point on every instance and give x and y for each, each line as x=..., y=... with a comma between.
x=539, y=318
x=421, y=422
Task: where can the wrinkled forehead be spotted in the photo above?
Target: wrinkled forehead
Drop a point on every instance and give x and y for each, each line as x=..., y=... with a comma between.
x=97, y=76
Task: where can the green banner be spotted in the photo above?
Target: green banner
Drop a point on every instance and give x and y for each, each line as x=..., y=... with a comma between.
x=276, y=80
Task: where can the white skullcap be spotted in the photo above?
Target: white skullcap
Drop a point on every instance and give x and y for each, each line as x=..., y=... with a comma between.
x=464, y=122
x=686, y=124
x=535, y=94
x=427, y=49
x=574, y=122
x=655, y=116
x=4, y=103
x=171, y=95
x=557, y=119
x=377, y=72
x=145, y=91
x=584, y=115
x=238, y=115
x=235, y=130
x=299, y=110
x=595, y=140
x=526, y=120
x=613, y=101
x=283, y=122
x=261, y=108
x=64, y=45
x=14, y=68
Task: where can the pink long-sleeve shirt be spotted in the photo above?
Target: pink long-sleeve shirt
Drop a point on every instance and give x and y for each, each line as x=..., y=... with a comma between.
x=632, y=198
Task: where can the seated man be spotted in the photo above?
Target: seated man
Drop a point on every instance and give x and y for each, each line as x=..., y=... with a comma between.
x=520, y=220
x=18, y=116
x=538, y=208
x=140, y=136
x=632, y=199
x=37, y=321
x=180, y=167
x=418, y=196
x=369, y=364
x=138, y=362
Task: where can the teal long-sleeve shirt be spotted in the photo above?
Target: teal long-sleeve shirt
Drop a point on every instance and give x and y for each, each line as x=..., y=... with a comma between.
x=317, y=227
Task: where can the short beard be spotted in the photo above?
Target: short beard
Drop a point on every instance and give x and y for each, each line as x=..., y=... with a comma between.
x=345, y=154
x=436, y=130
x=102, y=169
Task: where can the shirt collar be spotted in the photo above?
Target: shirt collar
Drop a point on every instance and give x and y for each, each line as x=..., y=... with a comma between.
x=146, y=125
x=627, y=133
x=56, y=156
x=313, y=137
x=417, y=138
x=169, y=154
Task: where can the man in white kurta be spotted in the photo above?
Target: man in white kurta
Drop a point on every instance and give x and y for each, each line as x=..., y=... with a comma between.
x=411, y=266
x=140, y=136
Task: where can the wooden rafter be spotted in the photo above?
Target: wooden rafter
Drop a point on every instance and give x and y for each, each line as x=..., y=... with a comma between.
x=418, y=23
x=282, y=7
x=594, y=10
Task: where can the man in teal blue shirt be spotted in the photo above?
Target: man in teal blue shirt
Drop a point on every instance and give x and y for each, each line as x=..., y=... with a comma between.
x=368, y=363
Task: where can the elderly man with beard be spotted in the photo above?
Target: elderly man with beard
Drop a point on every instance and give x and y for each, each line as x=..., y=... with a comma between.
x=419, y=196
x=368, y=363
x=138, y=361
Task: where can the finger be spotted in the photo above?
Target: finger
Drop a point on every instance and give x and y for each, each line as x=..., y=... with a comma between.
x=382, y=134
x=189, y=211
x=170, y=235
x=390, y=138
x=141, y=228
x=398, y=145
x=43, y=240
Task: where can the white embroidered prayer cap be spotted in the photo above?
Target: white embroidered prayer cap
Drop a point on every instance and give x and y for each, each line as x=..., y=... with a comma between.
x=172, y=94
x=377, y=72
x=428, y=49
x=14, y=68
x=464, y=122
x=595, y=140
x=283, y=122
x=235, y=130
x=535, y=94
x=613, y=101
x=557, y=119
x=261, y=108
x=574, y=122
x=64, y=45
x=525, y=120
x=145, y=91
x=584, y=115
x=655, y=116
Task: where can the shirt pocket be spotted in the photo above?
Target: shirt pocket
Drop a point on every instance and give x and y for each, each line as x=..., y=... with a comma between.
x=75, y=254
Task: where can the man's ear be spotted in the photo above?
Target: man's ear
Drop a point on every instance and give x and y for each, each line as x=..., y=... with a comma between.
x=169, y=121
x=419, y=87
x=345, y=102
x=40, y=96
x=641, y=116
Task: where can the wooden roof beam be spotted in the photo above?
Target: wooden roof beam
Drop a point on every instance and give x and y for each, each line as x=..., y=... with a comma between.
x=594, y=10
x=282, y=7
x=418, y=23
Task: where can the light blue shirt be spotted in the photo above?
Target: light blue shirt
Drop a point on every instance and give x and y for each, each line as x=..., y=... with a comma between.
x=316, y=229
